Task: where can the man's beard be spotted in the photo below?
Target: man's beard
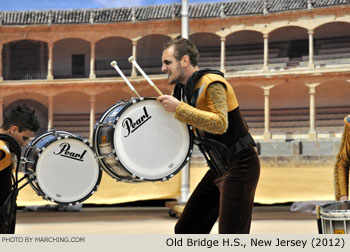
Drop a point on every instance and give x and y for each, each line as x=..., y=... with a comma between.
x=179, y=77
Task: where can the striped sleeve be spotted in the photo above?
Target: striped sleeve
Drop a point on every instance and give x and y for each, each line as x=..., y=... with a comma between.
x=214, y=120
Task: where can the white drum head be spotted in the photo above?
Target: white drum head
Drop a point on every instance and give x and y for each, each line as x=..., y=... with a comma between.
x=67, y=171
x=149, y=141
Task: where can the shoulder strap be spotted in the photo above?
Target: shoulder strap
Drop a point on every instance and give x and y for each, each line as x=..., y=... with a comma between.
x=191, y=82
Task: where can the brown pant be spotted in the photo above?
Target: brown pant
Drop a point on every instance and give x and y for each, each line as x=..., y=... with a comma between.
x=229, y=197
x=5, y=189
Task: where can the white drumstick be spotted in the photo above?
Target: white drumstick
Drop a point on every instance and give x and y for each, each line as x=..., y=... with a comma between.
x=133, y=61
x=115, y=66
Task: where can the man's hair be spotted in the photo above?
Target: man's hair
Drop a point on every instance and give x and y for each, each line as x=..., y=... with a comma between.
x=23, y=117
x=184, y=47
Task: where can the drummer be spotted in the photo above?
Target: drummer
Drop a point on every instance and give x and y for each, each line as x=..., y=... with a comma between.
x=19, y=124
x=341, y=168
x=206, y=100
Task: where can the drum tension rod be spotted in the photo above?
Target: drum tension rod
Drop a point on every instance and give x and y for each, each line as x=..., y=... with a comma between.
x=104, y=124
x=26, y=160
x=111, y=154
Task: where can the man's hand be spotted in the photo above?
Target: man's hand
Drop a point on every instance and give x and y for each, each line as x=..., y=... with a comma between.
x=169, y=102
x=343, y=198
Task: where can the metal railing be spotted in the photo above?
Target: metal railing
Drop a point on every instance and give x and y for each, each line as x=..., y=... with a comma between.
x=103, y=68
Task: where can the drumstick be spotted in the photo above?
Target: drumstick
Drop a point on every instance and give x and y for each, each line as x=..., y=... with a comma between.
x=133, y=61
x=319, y=221
x=115, y=66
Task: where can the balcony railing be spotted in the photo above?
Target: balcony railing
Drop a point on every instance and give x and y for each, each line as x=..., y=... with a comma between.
x=103, y=68
x=26, y=75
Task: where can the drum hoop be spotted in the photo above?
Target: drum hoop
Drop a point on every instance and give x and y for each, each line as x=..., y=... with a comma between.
x=335, y=213
x=127, y=105
x=336, y=203
x=36, y=186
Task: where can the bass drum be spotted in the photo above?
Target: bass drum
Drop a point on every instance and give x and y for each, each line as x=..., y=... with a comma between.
x=138, y=140
x=62, y=167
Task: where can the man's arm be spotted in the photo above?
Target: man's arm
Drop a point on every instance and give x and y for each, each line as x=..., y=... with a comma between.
x=341, y=169
x=214, y=120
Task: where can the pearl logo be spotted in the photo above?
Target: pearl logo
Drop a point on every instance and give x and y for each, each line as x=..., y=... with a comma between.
x=131, y=126
x=67, y=153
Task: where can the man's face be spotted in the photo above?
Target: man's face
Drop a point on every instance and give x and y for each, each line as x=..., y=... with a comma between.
x=172, y=67
x=22, y=137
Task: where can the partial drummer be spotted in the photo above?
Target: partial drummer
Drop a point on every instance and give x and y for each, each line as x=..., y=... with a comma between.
x=19, y=124
x=341, y=168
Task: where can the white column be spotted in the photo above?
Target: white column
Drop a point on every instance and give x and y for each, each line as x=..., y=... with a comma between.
x=50, y=112
x=311, y=49
x=92, y=61
x=312, y=92
x=266, y=52
x=49, y=66
x=222, y=56
x=42, y=64
x=1, y=77
x=92, y=116
x=134, y=51
x=185, y=174
x=7, y=59
x=184, y=19
x=1, y=111
x=267, y=131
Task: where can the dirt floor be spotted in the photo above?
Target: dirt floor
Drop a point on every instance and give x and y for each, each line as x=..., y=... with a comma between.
x=152, y=220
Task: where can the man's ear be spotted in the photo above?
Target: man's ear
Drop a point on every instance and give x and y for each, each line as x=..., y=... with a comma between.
x=185, y=61
x=13, y=129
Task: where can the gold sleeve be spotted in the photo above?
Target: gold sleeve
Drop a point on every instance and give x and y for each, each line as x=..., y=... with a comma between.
x=5, y=156
x=214, y=119
x=341, y=168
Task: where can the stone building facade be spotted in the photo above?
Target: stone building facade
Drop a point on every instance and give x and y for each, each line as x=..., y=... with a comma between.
x=288, y=61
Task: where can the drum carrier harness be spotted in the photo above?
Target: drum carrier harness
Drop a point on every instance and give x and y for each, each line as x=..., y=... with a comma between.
x=217, y=154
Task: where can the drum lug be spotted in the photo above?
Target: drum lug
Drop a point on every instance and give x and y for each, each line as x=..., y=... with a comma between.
x=26, y=160
x=136, y=177
x=104, y=124
x=86, y=141
x=39, y=150
x=111, y=154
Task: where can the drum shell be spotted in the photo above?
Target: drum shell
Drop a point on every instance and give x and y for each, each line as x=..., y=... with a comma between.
x=335, y=218
x=104, y=146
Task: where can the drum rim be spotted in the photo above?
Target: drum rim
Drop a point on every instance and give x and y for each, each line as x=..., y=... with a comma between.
x=36, y=186
x=128, y=103
x=335, y=213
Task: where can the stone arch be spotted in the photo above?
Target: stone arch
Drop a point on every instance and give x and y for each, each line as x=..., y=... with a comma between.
x=208, y=45
x=149, y=53
x=110, y=49
x=71, y=58
x=25, y=60
x=291, y=41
